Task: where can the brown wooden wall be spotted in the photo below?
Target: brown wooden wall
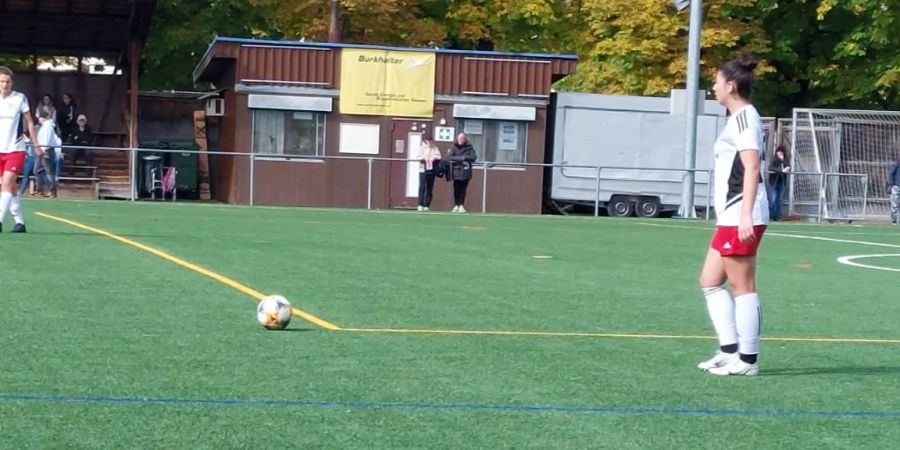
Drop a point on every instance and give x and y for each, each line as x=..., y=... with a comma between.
x=102, y=98
x=65, y=27
x=313, y=67
x=459, y=74
x=455, y=73
x=343, y=183
x=168, y=118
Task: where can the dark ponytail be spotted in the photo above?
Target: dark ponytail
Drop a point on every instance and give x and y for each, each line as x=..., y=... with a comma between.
x=740, y=71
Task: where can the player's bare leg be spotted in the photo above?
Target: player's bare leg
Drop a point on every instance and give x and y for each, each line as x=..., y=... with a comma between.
x=9, y=202
x=741, y=271
x=720, y=306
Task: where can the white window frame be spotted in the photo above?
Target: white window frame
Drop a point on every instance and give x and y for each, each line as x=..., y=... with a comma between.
x=482, y=153
x=320, y=152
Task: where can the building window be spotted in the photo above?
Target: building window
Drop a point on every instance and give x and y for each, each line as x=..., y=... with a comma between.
x=496, y=140
x=300, y=133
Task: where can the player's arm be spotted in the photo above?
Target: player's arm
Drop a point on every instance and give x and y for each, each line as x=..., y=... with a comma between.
x=29, y=125
x=750, y=160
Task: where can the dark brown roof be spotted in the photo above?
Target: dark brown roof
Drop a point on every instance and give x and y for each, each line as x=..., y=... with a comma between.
x=100, y=28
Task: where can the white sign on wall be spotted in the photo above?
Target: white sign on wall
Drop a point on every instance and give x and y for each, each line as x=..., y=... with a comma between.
x=444, y=134
x=509, y=136
x=474, y=127
x=359, y=138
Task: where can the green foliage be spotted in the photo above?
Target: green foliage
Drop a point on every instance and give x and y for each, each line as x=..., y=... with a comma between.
x=16, y=62
x=182, y=31
x=843, y=53
x=862, y=66
x=640, y=46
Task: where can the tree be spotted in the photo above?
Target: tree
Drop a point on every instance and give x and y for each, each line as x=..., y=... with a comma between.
x=17, y=62
x=388, y=22
x=833, y=53
x=514, y=25
x=181, y=33
x=640, y=46
x=843, y=53
x=860, y=66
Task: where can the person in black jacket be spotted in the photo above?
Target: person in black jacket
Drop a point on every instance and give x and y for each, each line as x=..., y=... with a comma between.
x=778, y=172
x=82, y=135
x=65, y=117
x=460, y=157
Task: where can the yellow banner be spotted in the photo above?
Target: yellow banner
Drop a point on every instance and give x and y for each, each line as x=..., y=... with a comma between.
x=387, y=83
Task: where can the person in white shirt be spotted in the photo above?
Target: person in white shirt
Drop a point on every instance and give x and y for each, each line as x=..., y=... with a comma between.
x=46, y=107
x=13, y=107
x=742, y=213
x=429, y=157
x=50, y=142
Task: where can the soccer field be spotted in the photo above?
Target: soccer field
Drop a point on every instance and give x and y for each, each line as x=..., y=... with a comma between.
x=133, y=325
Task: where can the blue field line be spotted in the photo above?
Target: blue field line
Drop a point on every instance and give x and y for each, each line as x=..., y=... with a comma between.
x=445, y=407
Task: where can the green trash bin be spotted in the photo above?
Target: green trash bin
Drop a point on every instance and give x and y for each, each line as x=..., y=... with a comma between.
x=154, y=144
x=186, y=164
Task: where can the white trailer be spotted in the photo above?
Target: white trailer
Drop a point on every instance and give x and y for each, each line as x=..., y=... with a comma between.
x=638, y=143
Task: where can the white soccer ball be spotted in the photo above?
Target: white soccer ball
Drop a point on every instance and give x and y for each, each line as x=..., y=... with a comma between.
x=274, y=312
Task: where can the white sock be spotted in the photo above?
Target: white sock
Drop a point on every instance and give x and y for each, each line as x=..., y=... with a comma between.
x=5, y=200
x=749, y=316
x=15, y=207
x=721, y=311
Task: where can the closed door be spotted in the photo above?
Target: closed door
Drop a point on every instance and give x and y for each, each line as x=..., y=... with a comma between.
x=405, y=174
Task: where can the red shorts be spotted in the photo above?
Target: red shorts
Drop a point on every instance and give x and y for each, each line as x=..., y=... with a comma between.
x=726, y=241
x=12, y=162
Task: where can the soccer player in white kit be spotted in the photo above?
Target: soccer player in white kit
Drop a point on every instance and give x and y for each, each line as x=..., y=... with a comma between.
x=13, y=107
x=742, y=213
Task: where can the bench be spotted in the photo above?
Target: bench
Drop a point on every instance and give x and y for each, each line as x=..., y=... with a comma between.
x=95, y=183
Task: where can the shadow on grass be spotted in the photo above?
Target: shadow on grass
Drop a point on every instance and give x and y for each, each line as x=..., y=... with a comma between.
x=832, y=371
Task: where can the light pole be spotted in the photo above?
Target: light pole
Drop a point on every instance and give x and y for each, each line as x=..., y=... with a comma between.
x=693, y=83
x=334, y=34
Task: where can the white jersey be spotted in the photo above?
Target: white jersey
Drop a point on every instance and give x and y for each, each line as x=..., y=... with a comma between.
x=742, y=132
x=47, y=135
x=12, y=108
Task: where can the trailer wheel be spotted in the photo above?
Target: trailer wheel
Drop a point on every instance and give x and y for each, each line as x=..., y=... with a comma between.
x=619, y=207
x=648, y=207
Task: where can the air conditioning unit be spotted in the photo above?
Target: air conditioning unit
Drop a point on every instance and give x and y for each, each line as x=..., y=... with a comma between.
x=215, y=107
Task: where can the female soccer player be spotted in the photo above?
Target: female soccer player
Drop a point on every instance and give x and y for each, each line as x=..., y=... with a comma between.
x=13, y=107
x=742, y=213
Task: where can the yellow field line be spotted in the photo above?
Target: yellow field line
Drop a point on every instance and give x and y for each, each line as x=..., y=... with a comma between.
x=187, y=265
x=608, y=335
x=518, y=333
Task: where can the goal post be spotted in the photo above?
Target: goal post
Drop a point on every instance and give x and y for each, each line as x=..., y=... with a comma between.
x=840, y=161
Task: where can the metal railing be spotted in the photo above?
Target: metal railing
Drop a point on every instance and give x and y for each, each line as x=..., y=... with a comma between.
x=483, y=166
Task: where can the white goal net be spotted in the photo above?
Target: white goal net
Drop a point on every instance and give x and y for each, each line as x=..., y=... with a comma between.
x=840, y=161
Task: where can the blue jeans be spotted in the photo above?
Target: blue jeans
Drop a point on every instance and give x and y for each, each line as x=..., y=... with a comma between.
x=776, y=198
x=43, y=168
x=31, y=168
x=58, y=162
x=26, y=172
x=895, y=204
